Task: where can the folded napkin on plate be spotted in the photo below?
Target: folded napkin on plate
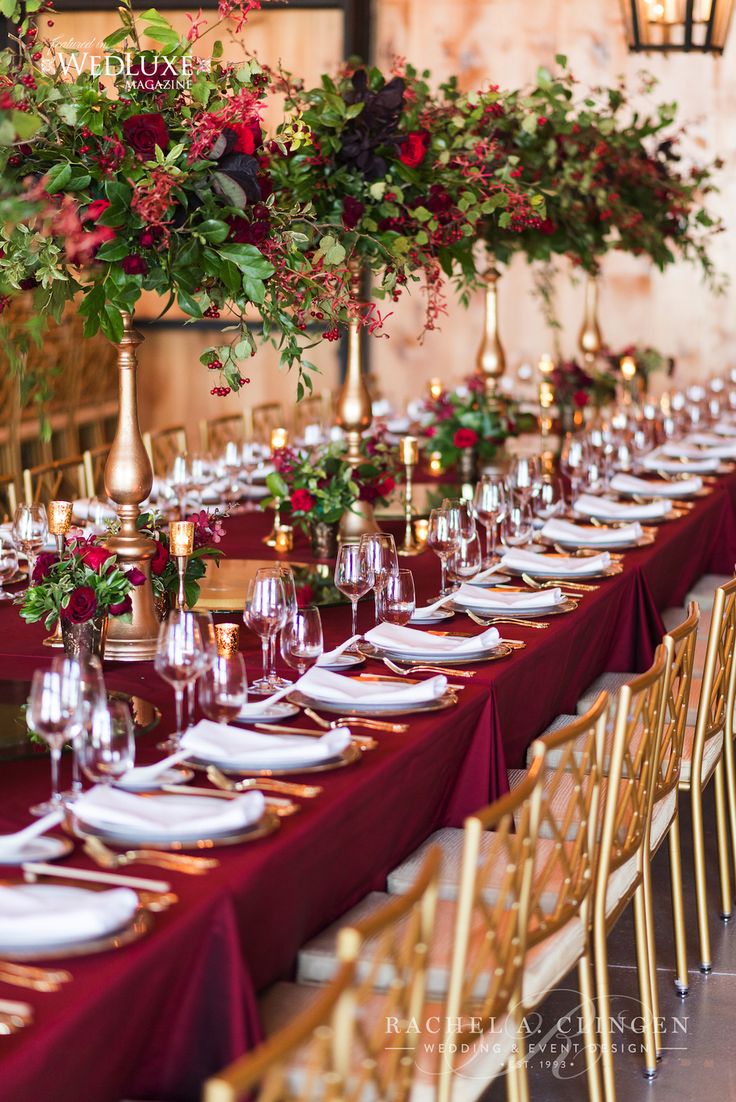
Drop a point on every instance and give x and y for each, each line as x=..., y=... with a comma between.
x=399, y=638
x=723, y=450
x=252, y=750
x=655, y=461
x=335, y=688
x=705, y=439
x=585, y=535
x=589, y=506
x=629, y=484
x=166, y=816
x=49, y=914
x=330, y=656
x=500, y=600
x=529, y=562
x=725, y=429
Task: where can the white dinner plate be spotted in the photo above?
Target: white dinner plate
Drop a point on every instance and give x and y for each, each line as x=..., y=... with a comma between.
x=169, y=776
x=274, y=713
x=44, y=848
x=109, y=924
x=143, y=833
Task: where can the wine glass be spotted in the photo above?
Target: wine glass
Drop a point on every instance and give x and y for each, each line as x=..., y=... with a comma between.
x=490, y=508
x=179, y=660
x=81, y=676
x=442, y=537
x=181, y=479
x=30, y=529
x=398, y=599
x=550, y=501
x=108, y=746
x=465, y=559
x=200, y=473
x=265, y=613
x=8, y=568
x=354, y=576
x=573, y=462
x=523, y=477
x=382, y=557
x=463, y=516
x=231, y=464
x=289, y=583
x=301, y=638
x=209, y=653
x=517, y=528
x=53, y=704
x=222, y=688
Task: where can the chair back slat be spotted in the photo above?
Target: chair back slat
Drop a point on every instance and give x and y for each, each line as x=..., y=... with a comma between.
x=264, y=418
x=61, y=479
x=95, y=460
x=163, y=446
x=680, y=647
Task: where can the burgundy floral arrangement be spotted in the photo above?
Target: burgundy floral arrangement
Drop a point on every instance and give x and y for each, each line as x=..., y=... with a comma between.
x=208, y=532
x=464, y=420
x=575, y=388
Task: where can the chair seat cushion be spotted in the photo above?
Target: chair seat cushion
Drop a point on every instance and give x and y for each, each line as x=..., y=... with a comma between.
x=711, y=754
x=608, y=683
x=704, y=590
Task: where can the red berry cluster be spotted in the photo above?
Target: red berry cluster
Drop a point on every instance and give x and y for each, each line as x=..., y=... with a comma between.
x=211, y=312
x=215, y=365
x=220, y=391
x=332, y=334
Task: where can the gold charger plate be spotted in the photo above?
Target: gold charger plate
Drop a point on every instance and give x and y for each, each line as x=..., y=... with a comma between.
x=503, y=650
x=446, y=701
x=138, y=927
x=267, y=824
x=351, y=754
x=568, y=604
x=549, y=560
x=645, y=540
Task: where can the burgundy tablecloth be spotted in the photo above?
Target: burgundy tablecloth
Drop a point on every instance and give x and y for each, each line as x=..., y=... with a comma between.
x=152, y=1020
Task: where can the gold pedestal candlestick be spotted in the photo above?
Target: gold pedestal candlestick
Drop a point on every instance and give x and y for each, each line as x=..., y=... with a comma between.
x=546, y=401
x=490, y=361
x=181, y=545
x=409, y=456
x=279, y=440
x=128, y=481
x=628, y=372
x=590, y=339
x=354, y=416
x=60, y=519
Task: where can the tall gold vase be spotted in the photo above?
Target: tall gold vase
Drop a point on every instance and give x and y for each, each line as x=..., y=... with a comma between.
x=490, y=361
x=128, y=481
x=590, y=339
x=354, y=416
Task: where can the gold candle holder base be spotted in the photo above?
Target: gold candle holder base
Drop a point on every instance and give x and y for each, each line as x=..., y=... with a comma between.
x=270, y=539
x=409, y=455
x=56, y=640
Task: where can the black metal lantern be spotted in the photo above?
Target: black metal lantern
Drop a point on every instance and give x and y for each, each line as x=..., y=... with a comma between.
x=677, y=26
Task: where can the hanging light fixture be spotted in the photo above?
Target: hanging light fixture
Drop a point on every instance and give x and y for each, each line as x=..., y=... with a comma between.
x=677, y=26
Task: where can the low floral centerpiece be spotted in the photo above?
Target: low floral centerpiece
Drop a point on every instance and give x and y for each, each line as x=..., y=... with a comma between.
x=80, y=587
x=648, y=362
x=466, y=428
x=576, y=388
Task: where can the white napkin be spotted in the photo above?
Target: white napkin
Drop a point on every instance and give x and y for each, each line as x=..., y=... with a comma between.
x=428, y=612
x=237, y=748
x=629, y=484
x=147, y=774
x=49, y=914
x=656, y=461
x=335, y=688
x=725, y=429
x=13, y=843
x=589, y=506
x=586, y=535
x=498, y=600
x=400, y=638
x=167, y=816
x=705, y=439
x=559, y=566
x=329, y=656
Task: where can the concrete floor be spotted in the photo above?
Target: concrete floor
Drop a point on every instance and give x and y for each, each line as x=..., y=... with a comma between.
x=700, y=1060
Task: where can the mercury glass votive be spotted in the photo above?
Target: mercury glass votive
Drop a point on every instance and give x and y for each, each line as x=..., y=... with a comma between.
x=435, y=463
x=279, y=439
x=421, y=531
x=60, y=517
x=283, y=538
x=227, y=637
x=181, y=538
x=436, y=388
x=409, y=451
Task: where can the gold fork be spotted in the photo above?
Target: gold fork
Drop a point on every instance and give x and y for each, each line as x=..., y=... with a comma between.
x=554, y=583
x=485, y=622
x=54, y=975
x=418, y=668
x=175, y=862
x=29, y=982
x=372, y=724
x=286, y=788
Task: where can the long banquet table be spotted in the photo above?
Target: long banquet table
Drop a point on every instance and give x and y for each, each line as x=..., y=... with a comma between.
x=153, y=1019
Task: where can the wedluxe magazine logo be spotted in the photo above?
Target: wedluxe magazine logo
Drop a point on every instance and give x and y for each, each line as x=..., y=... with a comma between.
x=130, y=71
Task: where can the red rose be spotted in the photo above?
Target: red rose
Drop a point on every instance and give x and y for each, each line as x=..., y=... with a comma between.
x=44, y=562
x=385, y=485
x=243, y=232
x=122, y=608
x=82, y=605
x=135, y=576
x=304, y=595
x=352, y=212
x=248, y=136
x=414, y=148
x=160, y=559
x=580, y=398
x=465, y=438
x=144, y=132
x=94, y=556
x=150, y=237
x=301, y=501
x=134, y=265
x=96, y=208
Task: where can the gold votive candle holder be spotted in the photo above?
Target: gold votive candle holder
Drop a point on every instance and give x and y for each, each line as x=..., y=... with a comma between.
x=60, y=517
x=628, y=367
x=283, y=539
x=421, y=531
x=546, y=365
x=435, y=463
x=436, y=388
x=181, y=538
x=409, y=451
x=227, y=638
x=279, y=439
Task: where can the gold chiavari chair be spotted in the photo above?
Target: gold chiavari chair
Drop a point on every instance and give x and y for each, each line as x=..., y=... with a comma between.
x=8, y=497
x=262, y=419
x=708, y=744
x=216, y=432
x=59, y=479
x=391, y=945
x=308, y=1042
x=163, y=446
x=94, y=460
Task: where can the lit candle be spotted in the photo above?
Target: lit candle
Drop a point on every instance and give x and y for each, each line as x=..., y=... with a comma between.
x=60, y=517
x=181, y=538
x=409, y=451
x=421, y=530
x=628, y=367
x=283, y=538
x=546, y=394
x=546, y=365
x=227, y=637
x=435, y=389
x=435, y=463
x=279, y=439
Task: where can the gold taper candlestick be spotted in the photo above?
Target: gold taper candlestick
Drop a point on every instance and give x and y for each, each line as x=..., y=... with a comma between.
x=409, y=456
x=546, y=401
x=590, y=339
x=60, y=519
x=278, y=440
x=491, y=359
x=181, y=545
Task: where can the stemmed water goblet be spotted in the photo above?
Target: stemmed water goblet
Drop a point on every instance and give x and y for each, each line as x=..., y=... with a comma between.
x=574, y=459
x=265, y=613
x=179, y=660
x=287, y=579
x=53, y=706
x=465, y=559
x=82, y=677
x=490, y=508
x=354, y=576
x=380, y=550
x=222, y=688
x=518, y=526
x=107, y=749
x=30, y=529
x=181, y=480
x=397, y=601
x=442, y=537
x=523, y=477
x=301, y=638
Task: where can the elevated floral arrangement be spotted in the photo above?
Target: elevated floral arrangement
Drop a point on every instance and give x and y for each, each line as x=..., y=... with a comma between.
x=320, y=485
x=465, y=420
x=404, y=176
x=164, y=187
x=613, y=177
x=84, y=583
x=648, y=361
x=208, y=532
x=575, y=388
